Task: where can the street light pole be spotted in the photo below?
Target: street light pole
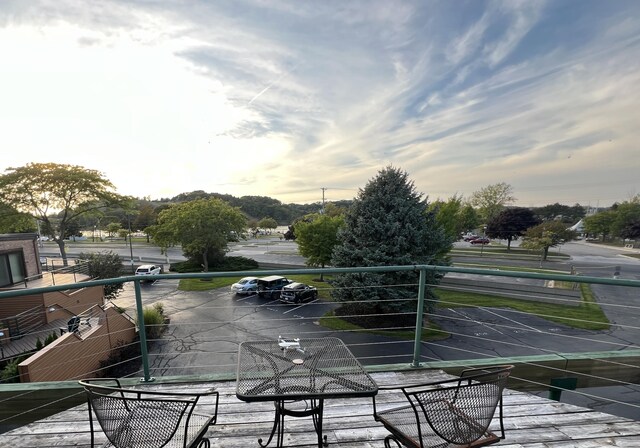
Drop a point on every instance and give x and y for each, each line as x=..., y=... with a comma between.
x=39, y=234
x=130, y=244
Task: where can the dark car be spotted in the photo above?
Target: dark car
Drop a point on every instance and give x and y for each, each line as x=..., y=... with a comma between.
x=298, y=293
x=271, y=286
x=480, y=241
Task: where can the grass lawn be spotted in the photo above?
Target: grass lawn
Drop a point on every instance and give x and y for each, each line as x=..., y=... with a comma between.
x=502, y=252
x=198, y=284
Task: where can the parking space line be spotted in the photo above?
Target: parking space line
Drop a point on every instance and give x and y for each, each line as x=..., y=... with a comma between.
x=511, y=320
x=293, y=309
x=300, y=306
x=476, y=321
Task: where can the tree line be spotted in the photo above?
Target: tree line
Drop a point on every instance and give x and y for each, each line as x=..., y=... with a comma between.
x=61, y=200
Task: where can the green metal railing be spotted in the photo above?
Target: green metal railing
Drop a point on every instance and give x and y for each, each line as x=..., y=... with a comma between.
x=422, y=285
x=614, y=367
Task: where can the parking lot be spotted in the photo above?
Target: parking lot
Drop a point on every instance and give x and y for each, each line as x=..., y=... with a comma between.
x=206, y=327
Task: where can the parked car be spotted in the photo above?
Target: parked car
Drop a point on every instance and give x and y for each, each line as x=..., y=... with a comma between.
x=271, y=286
x=480, y=240
x=470, y=236
x=149, y=270
x=298, y=292
x=245, y=285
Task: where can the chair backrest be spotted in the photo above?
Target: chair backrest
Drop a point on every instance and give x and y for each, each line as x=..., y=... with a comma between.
x=134, y=419
x=461, y=413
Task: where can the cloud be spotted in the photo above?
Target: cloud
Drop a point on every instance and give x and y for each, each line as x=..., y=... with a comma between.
x=521, y=17
x=256, y=97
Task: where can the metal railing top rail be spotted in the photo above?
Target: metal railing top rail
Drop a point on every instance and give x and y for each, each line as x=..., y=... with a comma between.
x=330, y=270
x=79, y=267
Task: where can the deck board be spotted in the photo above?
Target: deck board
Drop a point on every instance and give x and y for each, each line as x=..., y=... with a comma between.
x=530, y=422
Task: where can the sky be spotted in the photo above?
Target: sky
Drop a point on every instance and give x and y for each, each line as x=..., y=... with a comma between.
x=287, y=98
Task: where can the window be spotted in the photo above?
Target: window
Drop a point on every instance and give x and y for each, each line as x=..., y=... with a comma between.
x=11, y=268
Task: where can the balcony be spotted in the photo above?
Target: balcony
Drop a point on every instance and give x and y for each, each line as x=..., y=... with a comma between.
x=197, y=348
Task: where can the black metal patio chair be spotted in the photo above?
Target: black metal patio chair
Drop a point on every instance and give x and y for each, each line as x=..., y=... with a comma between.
x=457, y=411
x=137, y=418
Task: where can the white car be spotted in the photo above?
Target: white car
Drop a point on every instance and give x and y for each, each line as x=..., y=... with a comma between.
x=149, y=270
x=245, y=285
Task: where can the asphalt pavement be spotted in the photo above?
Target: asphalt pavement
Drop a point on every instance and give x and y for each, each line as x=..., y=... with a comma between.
x=474, y=332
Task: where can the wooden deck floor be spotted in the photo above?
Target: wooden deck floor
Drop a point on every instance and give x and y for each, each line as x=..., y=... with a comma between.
x=530, y=422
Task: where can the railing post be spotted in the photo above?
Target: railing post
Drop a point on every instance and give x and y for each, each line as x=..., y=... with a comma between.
x=142, y=333
x=419, y=315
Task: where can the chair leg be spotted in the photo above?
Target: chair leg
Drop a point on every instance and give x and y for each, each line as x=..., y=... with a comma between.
x=387, y=441
x=204, y=443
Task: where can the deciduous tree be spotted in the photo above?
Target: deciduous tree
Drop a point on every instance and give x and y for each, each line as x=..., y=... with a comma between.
x=12, y=221
x=546, y=235
x=627, y=214
x=56, y=194
x=146, y=217
x=455, y=216
x=566, y=213
x=600, y=224
x=511, y=223
x=317, y=239
x=105, y=265
x=202, y=227
x=388, y=224
x=492, y=199
x=631, y=231
x=113, y=228
x=268, y=223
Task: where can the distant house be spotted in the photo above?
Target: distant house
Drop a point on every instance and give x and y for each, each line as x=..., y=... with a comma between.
x=87, y=331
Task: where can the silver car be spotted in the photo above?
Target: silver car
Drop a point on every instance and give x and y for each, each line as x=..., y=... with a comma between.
x=245, y=285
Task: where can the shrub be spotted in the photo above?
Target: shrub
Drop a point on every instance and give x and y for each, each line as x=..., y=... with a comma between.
x=153, y=320
x=236, y=264
x=182, y=267
x=226, y=264
x=159, y=307
x=52, y=337
x=10, y=373
x=39, y=344
x=105, y=265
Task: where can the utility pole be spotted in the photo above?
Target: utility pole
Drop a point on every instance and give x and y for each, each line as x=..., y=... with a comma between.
x=323, y=190
x=130, y=244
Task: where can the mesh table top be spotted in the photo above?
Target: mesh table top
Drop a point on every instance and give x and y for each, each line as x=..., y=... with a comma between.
x=320, y=368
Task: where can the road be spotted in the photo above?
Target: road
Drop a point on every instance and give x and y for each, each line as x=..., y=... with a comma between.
x=268, y=251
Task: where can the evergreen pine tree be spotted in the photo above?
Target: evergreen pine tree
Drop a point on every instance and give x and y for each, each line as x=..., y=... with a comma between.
x=387, y=225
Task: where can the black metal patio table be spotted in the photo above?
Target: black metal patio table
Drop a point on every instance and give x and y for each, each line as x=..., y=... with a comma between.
x=286, y=371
